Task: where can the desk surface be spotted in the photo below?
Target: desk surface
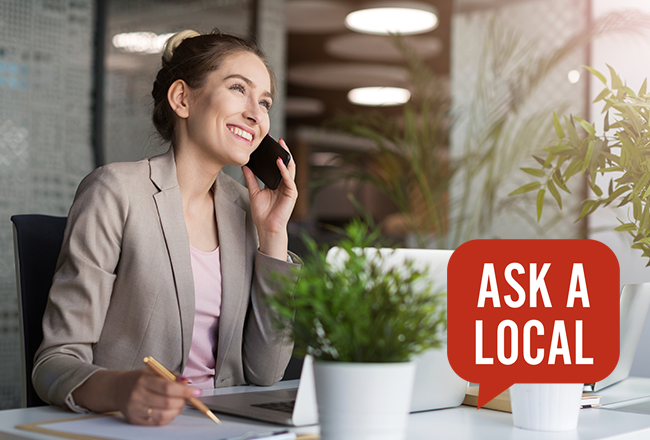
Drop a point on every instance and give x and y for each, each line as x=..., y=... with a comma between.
x=464, y=423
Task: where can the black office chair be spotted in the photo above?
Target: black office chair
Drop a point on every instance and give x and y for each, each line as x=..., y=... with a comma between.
x=37, y=243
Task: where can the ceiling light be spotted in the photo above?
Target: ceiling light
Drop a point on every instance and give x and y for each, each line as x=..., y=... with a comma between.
x=574, y=76
x=403, y=18
x=379, y=96
x=140, y=42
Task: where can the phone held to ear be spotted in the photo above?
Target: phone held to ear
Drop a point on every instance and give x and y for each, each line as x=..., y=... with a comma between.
x=262, y=161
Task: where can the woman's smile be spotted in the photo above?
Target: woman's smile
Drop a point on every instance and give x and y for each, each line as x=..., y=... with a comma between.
x=241, y=132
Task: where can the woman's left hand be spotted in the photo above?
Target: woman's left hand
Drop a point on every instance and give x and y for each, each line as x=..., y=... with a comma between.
x=271, y=209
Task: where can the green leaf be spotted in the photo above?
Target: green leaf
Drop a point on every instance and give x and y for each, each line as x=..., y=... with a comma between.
x=586, y=208
x=532, y=186
x=616, y=80
x=540, y=161
x=540, y=203
x=606, y=121
x=595, y=188
x=597, y=74
x=602, y=94
x=534, y=172
x=573, y=134
x=554, y=192
x=625, y=227
x=557, y=178
x=644, y=87
x=586, y=125
x=636, y=206
x=618, y=192
x=646, y=193
x=590, y=152
x=558, y=126
x=573, y=167
x=559, y=148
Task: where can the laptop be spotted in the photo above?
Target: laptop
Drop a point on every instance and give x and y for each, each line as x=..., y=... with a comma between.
x=298, y=407
x=635, y=302
x=291, y=406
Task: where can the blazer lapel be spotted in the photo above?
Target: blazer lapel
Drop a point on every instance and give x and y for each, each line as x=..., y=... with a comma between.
x=231, y=223
x=170, y=210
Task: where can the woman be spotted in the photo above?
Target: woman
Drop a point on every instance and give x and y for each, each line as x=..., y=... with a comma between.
x=168, y=257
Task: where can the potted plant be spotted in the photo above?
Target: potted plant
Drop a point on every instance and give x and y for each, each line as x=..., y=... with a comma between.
x=623, y=149
x=362, y=323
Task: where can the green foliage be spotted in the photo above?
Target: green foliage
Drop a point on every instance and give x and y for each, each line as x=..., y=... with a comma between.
x=501, y=128
x=409, y=165
x=623, y=149
x=456, y=196
x=360, y=312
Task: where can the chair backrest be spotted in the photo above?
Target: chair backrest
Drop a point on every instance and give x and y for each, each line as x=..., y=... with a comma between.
x=37, y=243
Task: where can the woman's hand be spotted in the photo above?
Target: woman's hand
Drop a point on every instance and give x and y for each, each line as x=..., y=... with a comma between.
x=271, y=209
x=143, y=397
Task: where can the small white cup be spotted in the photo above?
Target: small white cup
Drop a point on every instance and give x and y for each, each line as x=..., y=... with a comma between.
x=546, y=406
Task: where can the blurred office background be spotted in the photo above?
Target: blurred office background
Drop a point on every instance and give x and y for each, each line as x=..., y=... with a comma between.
x=75, y=84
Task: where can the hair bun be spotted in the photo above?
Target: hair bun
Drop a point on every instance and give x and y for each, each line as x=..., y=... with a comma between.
x=172, y=43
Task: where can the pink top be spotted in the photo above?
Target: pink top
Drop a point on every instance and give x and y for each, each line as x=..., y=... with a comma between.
x=206, y=268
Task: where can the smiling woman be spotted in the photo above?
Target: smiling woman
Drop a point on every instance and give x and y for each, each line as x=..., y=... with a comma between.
x=170, y=257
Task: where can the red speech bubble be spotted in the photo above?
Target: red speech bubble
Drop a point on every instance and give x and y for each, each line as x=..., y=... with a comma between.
x=532, y=311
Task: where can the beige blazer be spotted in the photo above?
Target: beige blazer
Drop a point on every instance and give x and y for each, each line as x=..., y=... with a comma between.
x=124, y=287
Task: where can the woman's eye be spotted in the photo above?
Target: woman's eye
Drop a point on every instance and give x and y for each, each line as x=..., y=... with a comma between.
x=266, y=105
x=237, y=87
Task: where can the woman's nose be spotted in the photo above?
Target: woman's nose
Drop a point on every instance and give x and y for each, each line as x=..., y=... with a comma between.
x=253, y=112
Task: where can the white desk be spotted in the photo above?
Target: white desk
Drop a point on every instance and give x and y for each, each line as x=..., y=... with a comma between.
x=464, y=423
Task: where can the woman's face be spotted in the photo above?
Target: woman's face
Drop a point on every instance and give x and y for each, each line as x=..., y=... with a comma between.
x=229, y=116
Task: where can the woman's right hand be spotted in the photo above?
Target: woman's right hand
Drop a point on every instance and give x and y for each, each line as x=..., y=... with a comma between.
x=143, y=397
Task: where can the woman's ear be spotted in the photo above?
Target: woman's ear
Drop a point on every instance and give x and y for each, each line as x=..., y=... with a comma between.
x=178, y=97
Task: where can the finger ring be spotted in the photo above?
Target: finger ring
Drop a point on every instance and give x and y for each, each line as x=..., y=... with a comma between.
x=149, y=411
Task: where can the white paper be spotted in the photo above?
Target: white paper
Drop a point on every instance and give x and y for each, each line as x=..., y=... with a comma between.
x=183, y=426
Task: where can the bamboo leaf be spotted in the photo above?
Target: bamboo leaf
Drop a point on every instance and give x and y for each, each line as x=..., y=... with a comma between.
x=573, y=167
x=532, y=186
x=554, y=192
x=540, y=203
x=558, y=126
x=573, y=134
x=636, y=206
x=586, y=208
x=644, y=87
x=625, y=227
x=646, y=193
x=590, y=152
x=560, y=148
x=618, y=192
x=534, y=172
x=557, y=178
x=602, y=94
x=541, y=161
x=616, y=80
x=597, y=74
x=595, y=188
x=586, y=125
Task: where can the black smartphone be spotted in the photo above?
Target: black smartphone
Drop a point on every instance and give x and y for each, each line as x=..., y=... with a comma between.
x=262, y=161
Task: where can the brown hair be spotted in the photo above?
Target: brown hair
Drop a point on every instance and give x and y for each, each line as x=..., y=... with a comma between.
x=191, y=56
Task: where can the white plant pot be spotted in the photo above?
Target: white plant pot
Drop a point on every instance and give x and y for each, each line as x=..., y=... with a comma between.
x=546, y=406
x=363, y=401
